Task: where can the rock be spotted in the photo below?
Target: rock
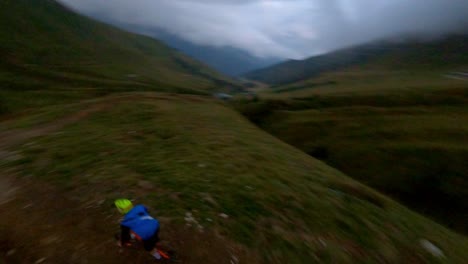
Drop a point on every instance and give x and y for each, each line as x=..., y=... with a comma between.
x=322, y=242
x=49, y=240
x=189, y=218
x=11, y=252
x=40, y=260
x=209, y=199
x=431, y=248
x=27, y=206
x=223, y=215
x=145, y=185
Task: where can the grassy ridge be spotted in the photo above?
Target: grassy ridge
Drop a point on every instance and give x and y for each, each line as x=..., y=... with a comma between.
x=202, y=157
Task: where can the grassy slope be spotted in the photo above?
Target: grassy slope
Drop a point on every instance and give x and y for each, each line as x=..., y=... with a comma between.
x=284, y=206
x=370, y=80
x=45, y=46
x=402, y=132
x=444, y=53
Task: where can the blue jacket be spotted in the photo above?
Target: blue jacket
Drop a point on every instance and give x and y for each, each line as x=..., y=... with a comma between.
x=140, y=222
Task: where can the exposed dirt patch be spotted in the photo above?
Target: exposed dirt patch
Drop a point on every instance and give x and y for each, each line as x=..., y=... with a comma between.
x=18, y=136
x=43, y=223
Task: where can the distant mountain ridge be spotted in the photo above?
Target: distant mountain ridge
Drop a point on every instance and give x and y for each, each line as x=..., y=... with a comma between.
x=451, y=50
x=227, y=60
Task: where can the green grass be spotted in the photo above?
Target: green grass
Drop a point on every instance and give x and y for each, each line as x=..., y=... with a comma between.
x=402, y=133
x=203, y=157
x=362, y=82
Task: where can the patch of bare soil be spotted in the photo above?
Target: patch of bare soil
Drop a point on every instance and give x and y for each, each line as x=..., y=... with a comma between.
x=42, y=225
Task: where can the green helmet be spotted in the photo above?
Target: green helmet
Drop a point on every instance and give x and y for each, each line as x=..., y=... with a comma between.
x=123, y=205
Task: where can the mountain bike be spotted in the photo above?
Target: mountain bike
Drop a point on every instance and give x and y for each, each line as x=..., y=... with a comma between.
x=166, y=254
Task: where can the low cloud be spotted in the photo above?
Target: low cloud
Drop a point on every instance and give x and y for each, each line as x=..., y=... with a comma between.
x=284, y=28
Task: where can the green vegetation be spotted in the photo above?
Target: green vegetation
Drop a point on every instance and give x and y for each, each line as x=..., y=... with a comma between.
x=45, y=46
x=372, y=82
x=401, y=133
x=202, y=157
x=441, y=54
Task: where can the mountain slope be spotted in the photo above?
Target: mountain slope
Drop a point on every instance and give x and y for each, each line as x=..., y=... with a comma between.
x=443, y=53
x=204, y=171
x=228, y=60
x=43, y=42
x=395, y=125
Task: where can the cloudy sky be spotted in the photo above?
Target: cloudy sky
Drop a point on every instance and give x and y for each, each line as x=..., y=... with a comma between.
x=284, y=28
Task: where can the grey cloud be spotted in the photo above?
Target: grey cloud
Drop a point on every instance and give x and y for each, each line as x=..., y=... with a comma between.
x=284, y=28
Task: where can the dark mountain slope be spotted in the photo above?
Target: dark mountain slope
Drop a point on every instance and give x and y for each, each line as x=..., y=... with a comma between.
x=43, y=42
x=442, y=53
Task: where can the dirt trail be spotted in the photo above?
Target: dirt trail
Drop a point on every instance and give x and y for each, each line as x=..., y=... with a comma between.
x=43, y=224
x=17, y=136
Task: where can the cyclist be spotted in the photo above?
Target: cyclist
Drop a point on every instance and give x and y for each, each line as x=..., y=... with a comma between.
x=139, y=225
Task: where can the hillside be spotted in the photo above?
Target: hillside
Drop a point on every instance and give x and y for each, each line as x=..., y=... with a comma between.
x=444, y=53
x=45, y=45
x=246, y=195
x=227, y=60
x=402, y=131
